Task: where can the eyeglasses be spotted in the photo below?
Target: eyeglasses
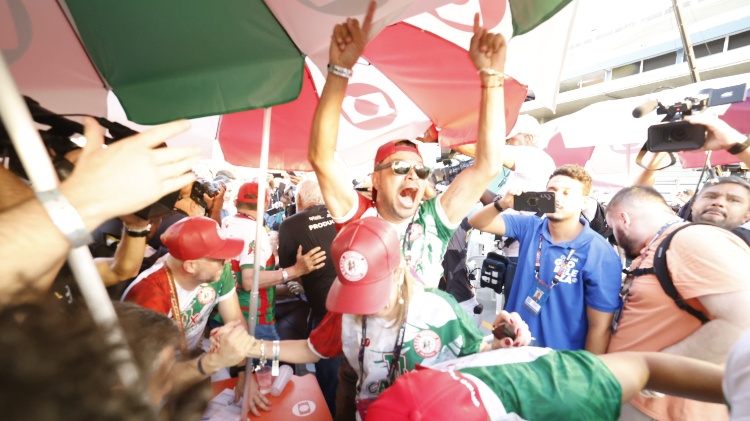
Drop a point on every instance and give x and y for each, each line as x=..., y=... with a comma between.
x=403, y=168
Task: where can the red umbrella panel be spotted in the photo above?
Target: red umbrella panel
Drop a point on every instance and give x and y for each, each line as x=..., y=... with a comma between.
x=397, y=90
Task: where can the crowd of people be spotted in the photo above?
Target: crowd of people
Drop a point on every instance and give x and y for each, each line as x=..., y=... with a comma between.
x=325, y=275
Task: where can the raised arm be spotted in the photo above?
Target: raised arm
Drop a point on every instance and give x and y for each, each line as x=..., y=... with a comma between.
x=123, y=178
x=488, y=219
x=487, y=52
x=347, y=43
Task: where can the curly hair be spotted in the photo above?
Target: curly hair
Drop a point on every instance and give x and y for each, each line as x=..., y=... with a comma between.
x=576, y=172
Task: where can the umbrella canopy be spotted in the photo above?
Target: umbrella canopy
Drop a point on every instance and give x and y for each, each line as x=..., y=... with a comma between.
x=166, y=61
x=396, y=92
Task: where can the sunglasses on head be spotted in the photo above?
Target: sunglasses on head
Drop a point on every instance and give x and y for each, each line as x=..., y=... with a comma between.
x=403, y=168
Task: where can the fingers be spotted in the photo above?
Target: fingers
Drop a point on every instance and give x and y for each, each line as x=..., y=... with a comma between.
x=157, y=135
x=341, y=36
x=94, y=135
x=163, y=156
x=367, y=22
x=176, y=183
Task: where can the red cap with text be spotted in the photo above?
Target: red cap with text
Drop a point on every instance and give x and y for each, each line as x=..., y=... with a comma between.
x=366, y=253
x=198, y=237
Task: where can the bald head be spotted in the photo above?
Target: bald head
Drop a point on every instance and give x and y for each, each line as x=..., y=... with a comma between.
x=635, y=214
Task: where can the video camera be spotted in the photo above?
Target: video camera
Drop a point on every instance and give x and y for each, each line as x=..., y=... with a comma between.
x=674, y=134
x=448, y=173
x=57, y=140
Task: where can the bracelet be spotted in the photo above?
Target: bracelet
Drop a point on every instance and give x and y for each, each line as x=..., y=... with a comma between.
x=200, y=365
x=491, y=72
x=262, y=361
x=739, y=147
x=138, y=232
x=284, y=275
x=497, y=205
x=339, y=71
x=65, y=217
x=275, y=362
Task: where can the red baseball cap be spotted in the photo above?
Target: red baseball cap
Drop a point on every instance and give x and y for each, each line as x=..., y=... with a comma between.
x=429, y=395
x=198, y=237
x=366, y=252
x=248, y=193
x=388, y=149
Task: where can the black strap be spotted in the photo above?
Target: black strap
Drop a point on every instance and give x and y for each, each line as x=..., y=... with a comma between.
x=661, y=271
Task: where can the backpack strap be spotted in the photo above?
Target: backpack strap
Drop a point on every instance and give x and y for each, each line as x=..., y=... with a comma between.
x=661, y=271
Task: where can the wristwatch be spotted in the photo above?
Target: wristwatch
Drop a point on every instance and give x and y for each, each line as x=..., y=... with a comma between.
x=497, y=205
x=739, y=147
x=138, y=232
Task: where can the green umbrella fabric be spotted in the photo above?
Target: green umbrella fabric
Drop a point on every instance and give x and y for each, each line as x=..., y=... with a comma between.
x=158, y=56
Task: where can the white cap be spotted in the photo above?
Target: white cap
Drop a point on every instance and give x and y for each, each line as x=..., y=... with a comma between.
x=526, y=124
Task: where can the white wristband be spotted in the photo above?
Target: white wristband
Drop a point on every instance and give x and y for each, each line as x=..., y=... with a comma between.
x=65, y=217
x=339, y=71
x=284, y=275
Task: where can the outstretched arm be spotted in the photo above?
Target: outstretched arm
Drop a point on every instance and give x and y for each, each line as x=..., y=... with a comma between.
x=123, y=178
x=347, y=43
x=487, y=52
x=671, y=374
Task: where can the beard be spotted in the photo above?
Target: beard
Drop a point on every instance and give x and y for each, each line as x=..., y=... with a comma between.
x=629, y=247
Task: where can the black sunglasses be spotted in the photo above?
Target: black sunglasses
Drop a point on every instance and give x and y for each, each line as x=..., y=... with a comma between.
x=403, y=168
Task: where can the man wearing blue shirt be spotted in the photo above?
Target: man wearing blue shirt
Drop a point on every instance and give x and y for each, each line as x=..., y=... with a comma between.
x=567, y=283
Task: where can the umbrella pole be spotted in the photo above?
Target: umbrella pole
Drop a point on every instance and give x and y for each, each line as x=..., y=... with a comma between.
x=257, y=264
x=33, y=155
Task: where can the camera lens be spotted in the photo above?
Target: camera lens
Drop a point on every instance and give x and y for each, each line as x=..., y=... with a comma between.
x=679, y=134
x=533, y=201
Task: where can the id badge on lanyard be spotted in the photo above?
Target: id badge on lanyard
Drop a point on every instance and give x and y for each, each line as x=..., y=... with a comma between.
x=540, y=290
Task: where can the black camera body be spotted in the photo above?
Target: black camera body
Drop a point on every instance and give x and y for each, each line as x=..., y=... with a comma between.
x=447, y=174
x=675, y=134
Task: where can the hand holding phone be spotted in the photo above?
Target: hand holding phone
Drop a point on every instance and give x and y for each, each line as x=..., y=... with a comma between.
x=537, y=202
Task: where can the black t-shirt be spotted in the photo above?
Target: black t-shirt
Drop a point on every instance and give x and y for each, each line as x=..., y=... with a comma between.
x=743, y=233
x=313, y=227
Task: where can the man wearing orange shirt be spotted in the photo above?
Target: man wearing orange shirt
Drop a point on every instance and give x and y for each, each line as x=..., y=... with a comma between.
x=708, y=266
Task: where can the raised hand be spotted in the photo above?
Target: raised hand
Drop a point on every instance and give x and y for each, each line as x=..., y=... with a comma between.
x=129, y=174
x=719, y=134
x=349, y=39
x=487, y=50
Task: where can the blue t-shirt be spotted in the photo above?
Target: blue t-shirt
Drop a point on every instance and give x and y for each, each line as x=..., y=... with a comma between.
x=591, y=279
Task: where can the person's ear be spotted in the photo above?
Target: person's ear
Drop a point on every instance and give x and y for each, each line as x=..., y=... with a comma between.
x=190, y=266
x=375, y=178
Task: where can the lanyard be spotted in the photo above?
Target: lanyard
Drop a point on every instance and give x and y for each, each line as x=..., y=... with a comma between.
x=176, y=314
x=626, y=285
x=406, y=243
x=396, y=354
x=559, y=273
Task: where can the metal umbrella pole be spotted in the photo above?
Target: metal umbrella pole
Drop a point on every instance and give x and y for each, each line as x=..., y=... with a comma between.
x=33, y=155
x=257, y=264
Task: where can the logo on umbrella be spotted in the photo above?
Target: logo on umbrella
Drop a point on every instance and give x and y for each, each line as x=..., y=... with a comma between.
x=492, y=13
x=367, y=107
x=338, y=7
